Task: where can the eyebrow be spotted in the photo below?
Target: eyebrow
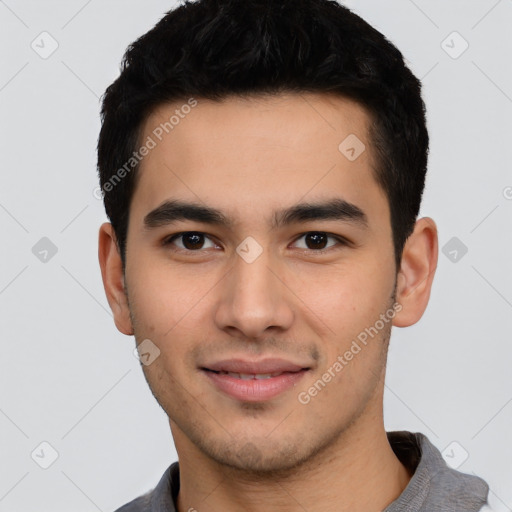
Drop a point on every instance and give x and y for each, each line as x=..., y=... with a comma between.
x=333, y=209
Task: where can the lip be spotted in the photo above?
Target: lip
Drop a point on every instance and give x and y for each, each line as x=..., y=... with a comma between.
x=255, y=390
x=252, y=389
x=273, y=365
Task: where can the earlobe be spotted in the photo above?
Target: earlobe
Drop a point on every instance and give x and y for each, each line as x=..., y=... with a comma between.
x=113, y=278
x=416, y=274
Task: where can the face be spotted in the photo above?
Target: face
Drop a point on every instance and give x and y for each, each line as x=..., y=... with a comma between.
x=251, y=279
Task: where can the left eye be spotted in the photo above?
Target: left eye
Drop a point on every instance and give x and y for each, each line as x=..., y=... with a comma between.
x=317, y=240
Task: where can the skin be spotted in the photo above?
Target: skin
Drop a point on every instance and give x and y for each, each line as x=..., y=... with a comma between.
x=247, y=157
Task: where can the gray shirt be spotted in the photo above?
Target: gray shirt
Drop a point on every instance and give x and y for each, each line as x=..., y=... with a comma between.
x=434, y=487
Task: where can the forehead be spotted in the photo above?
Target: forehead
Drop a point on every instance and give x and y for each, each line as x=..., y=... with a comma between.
x=258, y=153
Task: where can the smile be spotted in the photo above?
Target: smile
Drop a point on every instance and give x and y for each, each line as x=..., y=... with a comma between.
x=254, y=387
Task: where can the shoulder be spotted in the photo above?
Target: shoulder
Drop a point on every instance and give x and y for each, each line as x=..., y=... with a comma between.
x=140, y=504
x=161, y=498
x=434, y=486
x=448, y=481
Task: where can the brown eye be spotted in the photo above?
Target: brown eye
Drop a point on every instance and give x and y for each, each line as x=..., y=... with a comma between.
x=190, y=241
x=318, y=241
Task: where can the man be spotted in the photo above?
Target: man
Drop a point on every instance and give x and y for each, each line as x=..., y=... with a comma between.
x=262, y=165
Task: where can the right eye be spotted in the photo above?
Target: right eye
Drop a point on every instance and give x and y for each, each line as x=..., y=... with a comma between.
x=189, y=241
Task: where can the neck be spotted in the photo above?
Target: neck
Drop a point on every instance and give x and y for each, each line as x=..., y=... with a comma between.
x=359, y=472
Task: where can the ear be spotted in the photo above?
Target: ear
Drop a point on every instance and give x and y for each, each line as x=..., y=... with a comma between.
x=416, y=274
x=113, y=278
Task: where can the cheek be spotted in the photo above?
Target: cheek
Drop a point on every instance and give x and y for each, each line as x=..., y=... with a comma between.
x=346, y=298
x=167, y=309
x=351, y=304
x=164, y=379
x=162, y=299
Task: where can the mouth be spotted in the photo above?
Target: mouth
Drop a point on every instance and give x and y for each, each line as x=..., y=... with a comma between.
x=254, y=381
x=249, y=376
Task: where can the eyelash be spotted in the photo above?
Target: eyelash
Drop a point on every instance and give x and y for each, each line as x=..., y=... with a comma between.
x=341, y=241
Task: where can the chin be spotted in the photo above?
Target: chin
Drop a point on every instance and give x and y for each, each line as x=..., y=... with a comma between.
x=260, y=458
x=255, y=460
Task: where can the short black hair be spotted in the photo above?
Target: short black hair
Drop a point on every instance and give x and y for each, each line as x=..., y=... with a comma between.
x=214, y=49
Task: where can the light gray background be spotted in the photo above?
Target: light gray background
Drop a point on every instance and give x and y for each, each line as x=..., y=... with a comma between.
x=69, y=378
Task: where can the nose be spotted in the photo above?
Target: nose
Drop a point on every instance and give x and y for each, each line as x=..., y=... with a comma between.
x=254, y=299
